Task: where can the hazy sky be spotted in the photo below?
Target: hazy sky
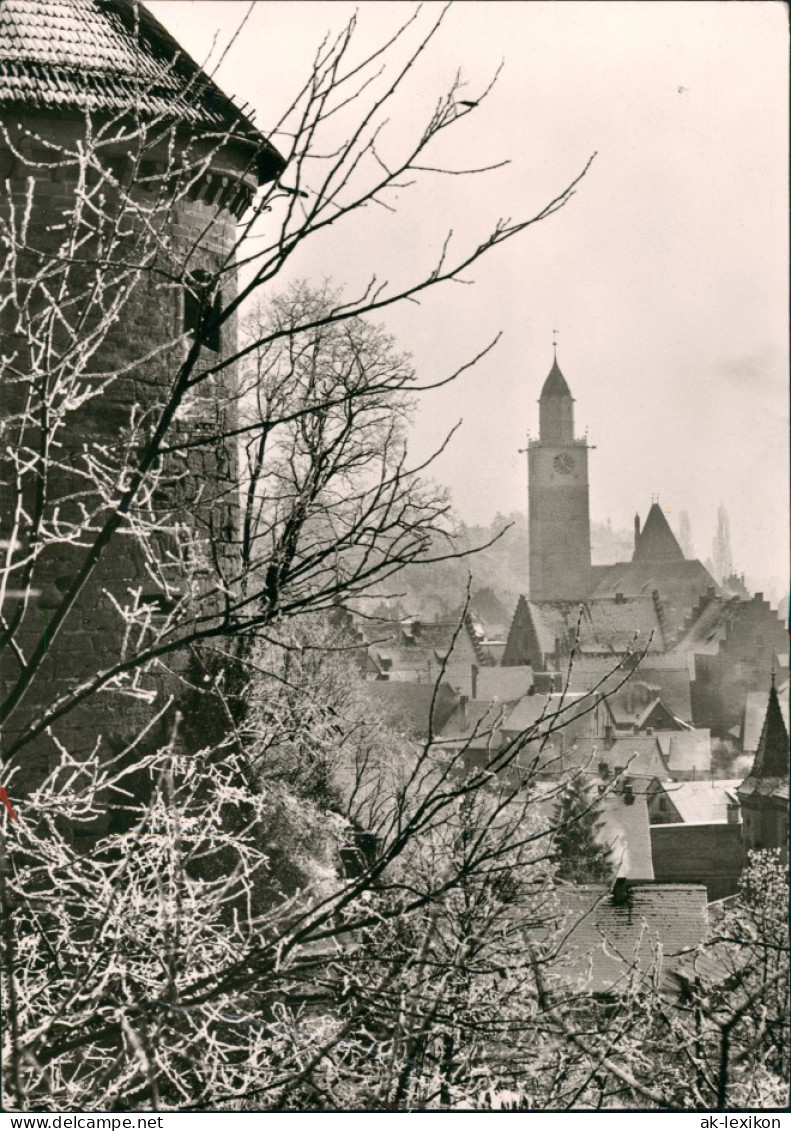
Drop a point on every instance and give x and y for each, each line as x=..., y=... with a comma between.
x=666, y=275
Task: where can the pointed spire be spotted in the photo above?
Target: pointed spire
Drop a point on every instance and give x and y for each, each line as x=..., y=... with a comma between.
x=771, y=757
x=657, y=542
x=517, y=648
x=555, y=384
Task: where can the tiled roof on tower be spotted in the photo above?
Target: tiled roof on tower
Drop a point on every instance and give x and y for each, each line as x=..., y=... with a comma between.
x=657, y=542
x=770, y=768
x=113, y=56
x=555, y=384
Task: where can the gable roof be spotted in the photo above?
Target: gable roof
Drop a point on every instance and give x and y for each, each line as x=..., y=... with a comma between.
x=113, y=56
x=476, y=723
x=668, y=673
x=627, y=831
x=637, y=755
x=566, y=715
x=413, y=649
x=680, y=583
x=716, y=622
x=687, y=751
x=657, y=542
x=499, y=684
x=407, y=707
x=607, y=944
x=702, y=802
x=607, y=626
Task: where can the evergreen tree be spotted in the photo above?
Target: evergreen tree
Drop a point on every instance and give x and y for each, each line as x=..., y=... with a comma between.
x=581, y=857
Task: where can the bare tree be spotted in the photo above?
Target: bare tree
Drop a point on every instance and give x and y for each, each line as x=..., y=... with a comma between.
x=156, y=968
x=122, y=448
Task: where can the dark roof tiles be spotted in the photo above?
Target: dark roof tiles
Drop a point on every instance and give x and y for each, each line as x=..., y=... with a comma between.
x=657, y=542
x=607, y=626
x=112, y=56
x=606, y=944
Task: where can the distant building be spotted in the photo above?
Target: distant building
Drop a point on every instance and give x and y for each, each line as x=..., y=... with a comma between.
x=545, y=634
x=658, y=566
x=609, y=937
x=559, y=526
x=693, y=802
x=735, y=643
x=687, y=753
x=414, y=710
x=412, y=650
x=668, y=674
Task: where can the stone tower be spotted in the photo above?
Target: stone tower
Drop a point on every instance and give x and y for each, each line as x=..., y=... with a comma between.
x=558, y=506
x=112, y=137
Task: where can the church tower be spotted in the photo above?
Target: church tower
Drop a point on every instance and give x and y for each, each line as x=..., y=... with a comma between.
x=558, y=506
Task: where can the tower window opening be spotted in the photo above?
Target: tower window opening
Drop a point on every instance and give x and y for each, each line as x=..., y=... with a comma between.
x=202, y=307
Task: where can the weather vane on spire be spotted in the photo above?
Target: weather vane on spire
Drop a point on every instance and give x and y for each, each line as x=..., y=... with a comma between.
x=555, y=343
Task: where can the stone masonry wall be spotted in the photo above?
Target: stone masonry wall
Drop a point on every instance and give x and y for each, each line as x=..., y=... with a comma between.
x=194, y=497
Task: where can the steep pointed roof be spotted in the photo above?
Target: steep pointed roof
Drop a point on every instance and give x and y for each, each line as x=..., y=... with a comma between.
x=517, y=649
x=555, y=384
x=657, y=542
x=112, y=56
x=770, y=768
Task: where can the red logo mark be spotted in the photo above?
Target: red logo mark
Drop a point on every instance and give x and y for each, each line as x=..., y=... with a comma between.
x=7, y=802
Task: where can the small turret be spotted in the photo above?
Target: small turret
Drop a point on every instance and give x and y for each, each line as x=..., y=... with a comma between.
x=763, y=795
x=556, y=409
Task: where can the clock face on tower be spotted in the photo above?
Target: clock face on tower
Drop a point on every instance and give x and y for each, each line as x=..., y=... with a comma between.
x=564, y=463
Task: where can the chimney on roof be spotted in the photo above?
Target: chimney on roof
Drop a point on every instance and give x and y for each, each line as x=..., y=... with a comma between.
x=620, y=892
x=542, y=682
x=628, y=793
x=474, y=680
x=620, y=599
x=649, y=730
x=609, y=737
x=463, y=700
x=733, y=813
